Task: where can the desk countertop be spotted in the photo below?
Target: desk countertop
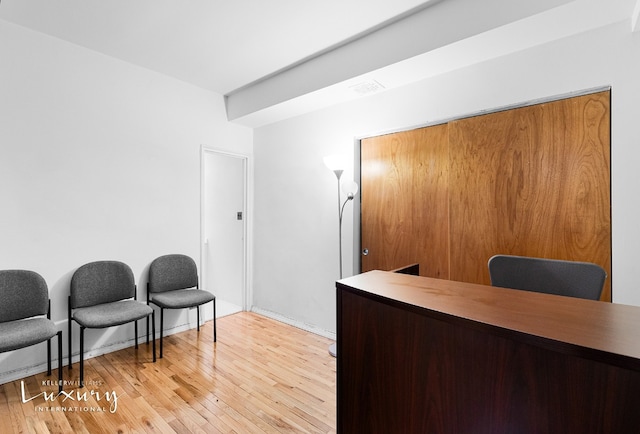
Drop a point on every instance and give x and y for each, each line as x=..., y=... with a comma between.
x=597, y=330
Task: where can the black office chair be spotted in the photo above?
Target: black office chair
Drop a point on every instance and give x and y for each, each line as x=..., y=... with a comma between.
x=173, y=284
x=24, y=304
x=551, y=276
x=103, y=294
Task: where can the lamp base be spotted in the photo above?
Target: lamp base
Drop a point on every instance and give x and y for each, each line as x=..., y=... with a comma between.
x=333, y=349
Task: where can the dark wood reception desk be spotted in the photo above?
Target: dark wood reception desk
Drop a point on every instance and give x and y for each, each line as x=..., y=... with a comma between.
x=422, y=355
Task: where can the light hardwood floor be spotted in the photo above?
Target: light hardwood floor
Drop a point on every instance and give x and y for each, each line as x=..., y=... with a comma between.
x=262, y=376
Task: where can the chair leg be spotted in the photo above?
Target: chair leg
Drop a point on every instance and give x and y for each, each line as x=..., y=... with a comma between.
x=81, y=356
x=214, y=320
x=147, y=329
x=198, y=317
x=69, y=335
x=135, y=327
x=161, y=328
x=153, y=326
x=49, y=357
x=60, y=361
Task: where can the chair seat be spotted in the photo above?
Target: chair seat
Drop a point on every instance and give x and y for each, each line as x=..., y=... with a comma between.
x=20, y=334
x=111, y=314
x=181, y=298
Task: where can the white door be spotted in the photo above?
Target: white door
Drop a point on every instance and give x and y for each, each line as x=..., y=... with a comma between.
x=224, y=230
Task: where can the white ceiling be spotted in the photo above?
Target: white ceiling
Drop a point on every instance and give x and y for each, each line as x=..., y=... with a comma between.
x=219, y=45
x=276, y=58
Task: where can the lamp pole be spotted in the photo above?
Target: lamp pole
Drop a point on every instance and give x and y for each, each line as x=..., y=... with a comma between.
x=337, y=165
x=338, y=173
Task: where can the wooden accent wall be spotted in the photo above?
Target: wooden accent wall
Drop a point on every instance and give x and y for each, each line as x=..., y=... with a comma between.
x=532, y=181
x=404, y=186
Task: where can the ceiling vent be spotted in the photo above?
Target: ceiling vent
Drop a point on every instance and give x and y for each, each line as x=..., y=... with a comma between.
x=367, y=87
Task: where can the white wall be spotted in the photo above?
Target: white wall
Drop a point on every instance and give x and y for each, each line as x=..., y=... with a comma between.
x=296, y=217
x=98, y=160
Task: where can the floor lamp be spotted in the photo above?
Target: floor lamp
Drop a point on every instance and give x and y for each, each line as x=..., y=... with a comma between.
x=337, y=164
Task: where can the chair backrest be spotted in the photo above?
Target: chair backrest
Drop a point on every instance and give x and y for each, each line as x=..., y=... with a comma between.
x=170, y=272
x=23, y=294
x=552, y=276
x=101, y=282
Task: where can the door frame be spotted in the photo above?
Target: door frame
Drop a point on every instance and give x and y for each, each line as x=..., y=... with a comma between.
x=247, y=296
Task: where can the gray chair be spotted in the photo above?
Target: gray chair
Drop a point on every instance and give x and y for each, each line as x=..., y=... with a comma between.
x=25, y=315
x=173, y=284
x=552, y=276
x=103, y=294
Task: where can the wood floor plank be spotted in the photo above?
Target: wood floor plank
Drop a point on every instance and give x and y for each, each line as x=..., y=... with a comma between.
x=262, y=376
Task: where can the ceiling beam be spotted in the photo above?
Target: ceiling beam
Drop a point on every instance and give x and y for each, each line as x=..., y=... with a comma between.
x=429, y=28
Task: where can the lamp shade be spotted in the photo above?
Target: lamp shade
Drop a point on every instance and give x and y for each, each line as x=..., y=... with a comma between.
x=350, y=188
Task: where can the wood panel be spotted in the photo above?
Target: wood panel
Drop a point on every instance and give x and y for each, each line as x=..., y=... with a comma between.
x=533, y=181
x=405, y=201
x=421, y=355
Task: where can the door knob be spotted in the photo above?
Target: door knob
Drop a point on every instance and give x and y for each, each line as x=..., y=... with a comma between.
x=365, y=252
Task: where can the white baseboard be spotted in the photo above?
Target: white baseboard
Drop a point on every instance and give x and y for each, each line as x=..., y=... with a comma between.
x=295, y=323
x=27, y=371
x=17, y=374
x=37, y=368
